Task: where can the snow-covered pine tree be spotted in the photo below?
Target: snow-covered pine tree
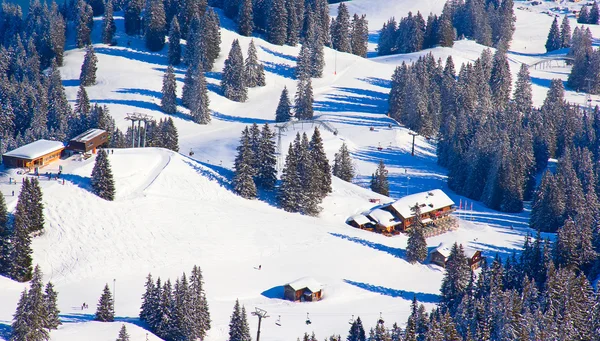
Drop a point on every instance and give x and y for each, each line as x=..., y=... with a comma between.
x=565, y=32
x=584, y=15
x=156, y=26
x=105, y=311
x=316, y=60
x=357, y=331
x=245, y=18
x=523, y=92
x=20, y=326
x=359, y=35
x=168, y=102
x=238, y=324
x=594, y=14
x=83, y=27
x=231, y=8
x=243, y=181
x=322, y=171
x=277, y=22
x=109, y=28
x=35, y=206
x=200, y=313
x=416, y=249
x=82, y=108
x=165, y=314
x=59, y=108
x=304, y=100
x=36, y=307
x=184, y=326
x=174, y=54
x=88, y=68
x=255, y=73
x=21, y=261
x=102, y=181
x=501, y=80
x=3, y=219
x=170, y=135
x=50, y=300
x=554, y=41
x=310, y=196
x=293, y=24
x=266, y=176
x=284, y=107
x=254, y=138
x=199, y=105
x=132, y=18
x=303, y=66
x=212, y=33
x=455, y=279
x=189, y=87
x=153, y=300
x=445, y=32
x=233, y=82
x=379, y=180
x=290, y=189
x=147, y=300
x=340, y=32
x=123, y=335
x=343, y=167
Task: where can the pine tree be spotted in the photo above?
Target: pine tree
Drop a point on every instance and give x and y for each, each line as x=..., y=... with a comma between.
x=343, y=167
x=21, y=261
x=379, y=180
x=446, y=31
x=314, y=43
x=51, y=307
x=168, y=102
x=105, y=312
x=304, y=100
x=199, y=102
x=102, y=182
x=36, y=307
x=565, y=32
x=82, y=105
x=554, y=41
x=584, y=15
x=500, y=81
x=322, y=171
x=340, y=32
x=109, y=28
x=174, y=54
x=594, y=14
x=156, y=26
x=303, y=66
x=132, y=18
x=169, y=135
x=284, y=107
x=244, y=171
x=200, y=313
x=293, y=24
x=455, y=279
x=211, y=28
x=88, y=68
x=523, y=92
x=357, y=331
x=3, y=221
x=416, y=249
x=245, y=18
x=148, y=300
x=255, y=73
x=238, y=324
x=233, y=82
x=289, y=195
x=266, y=171
x=59, y=108
x=277, y=22
x=123, y=335
x=84, y=20
x=359, y=35
x=21, y=329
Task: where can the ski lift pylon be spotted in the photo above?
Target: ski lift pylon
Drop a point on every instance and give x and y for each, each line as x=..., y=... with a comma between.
x=351, y=320
x=308, y=319
x=278, y=322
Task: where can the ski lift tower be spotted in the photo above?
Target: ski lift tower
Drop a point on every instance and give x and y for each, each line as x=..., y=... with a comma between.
x=261, y=314
x=280, y=129
x=139, y=118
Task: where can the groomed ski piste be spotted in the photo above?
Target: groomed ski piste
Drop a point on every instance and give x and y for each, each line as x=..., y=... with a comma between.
x=173, y=211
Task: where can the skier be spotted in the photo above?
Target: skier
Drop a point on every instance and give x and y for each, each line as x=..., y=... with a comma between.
x=259, y=267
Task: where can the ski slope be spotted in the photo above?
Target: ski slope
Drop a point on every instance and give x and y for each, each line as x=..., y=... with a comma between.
x=172, y=211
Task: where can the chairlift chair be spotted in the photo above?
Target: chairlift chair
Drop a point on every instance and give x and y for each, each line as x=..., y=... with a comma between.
x=278, y=322
x=379, y=146
x=308, y=319
x=380, y=321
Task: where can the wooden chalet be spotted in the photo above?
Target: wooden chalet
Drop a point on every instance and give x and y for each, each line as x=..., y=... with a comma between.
x=34, y=155
x=440, y=255
x=88, y=141
x=361, y=221
x=305, y=289
x=385, y=220
x=434, y=205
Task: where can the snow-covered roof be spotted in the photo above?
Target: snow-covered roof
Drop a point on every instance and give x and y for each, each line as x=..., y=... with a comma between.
x=444, y=250
x=360, y=219
x=384, y=218
x=88, y=135
x=428, y=201
x=306, y=282
x=36, y=149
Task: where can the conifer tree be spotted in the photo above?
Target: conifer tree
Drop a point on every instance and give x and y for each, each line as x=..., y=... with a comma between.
x=277, y=22
x=132, y=18
x=314, y=43
x=199, y=102
x=174, y=54
x=88, y=68
x=21, y=261
x=245, y=19
x=379, y=180
x=594, y=14
x=500, y=81
x=565, y=32
x=211, y=27
x=289, y=195
x=266, y=172
x=20, y=326
x=304, y=100
x=147, y=300
x=105, y=312
x=255, y=73
x=416, y=249
x=303, y=65
x=584, y=15
x=36, y=307
x=82, y=103
x=320, y=163
x=84, y=24
x=102, y=182
x=3, y=221
x=455, y=279
x=233, y=82
x=169, y=134
x=446, y=31
x=357, y=331
x=168, y=102
x=293, y=24
x=343, y=167
x=523, y=92
x=109, y=27
x=156, y=26
x=359, y=35
x=59, y=108
x=51, y=307
x=238, y=324
x=123, y=335
x=244, y=171
x=554, y=41
x=200, y=313
x=340, y=31
x=284, y=107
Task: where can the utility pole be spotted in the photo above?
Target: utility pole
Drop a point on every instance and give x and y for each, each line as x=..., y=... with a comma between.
x=260, y=313
x=412, y=153
x=114, y=293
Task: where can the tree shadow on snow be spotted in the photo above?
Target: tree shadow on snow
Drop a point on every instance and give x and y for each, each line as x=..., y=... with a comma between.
x=280, y=69
x=407, y=295
x=354, y=100
x=396, y=252
x=214, y=75
x=82, y=182
x=177, y=69
x=219, y=174
x=78, y=318
x=274, y=292
x=146, y=57
x=380, y=82
x=239, y=119
x=5, y=331
x=279, y=54
x=71, y=82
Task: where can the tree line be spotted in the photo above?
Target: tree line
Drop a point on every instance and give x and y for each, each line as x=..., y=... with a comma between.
x=488, y=22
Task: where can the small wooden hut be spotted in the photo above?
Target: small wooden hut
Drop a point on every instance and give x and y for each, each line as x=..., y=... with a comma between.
x=88, y=141
x=362, y=222
x=440, y=255
x=305, y=289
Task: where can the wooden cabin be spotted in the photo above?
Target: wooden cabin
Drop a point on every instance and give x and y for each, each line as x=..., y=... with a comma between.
x=88, y=141
x=34, y=155
x=440, y=255
x=361, y=221
x=385, y=220
x=434, y=205
x=305, y=289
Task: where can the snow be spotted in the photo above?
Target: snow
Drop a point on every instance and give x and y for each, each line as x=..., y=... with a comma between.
x=88, y=135
x=433, y=200
x=306, y=282
x=444, y=249
x=36, y=149
x=360, y=219
x=383, y=218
